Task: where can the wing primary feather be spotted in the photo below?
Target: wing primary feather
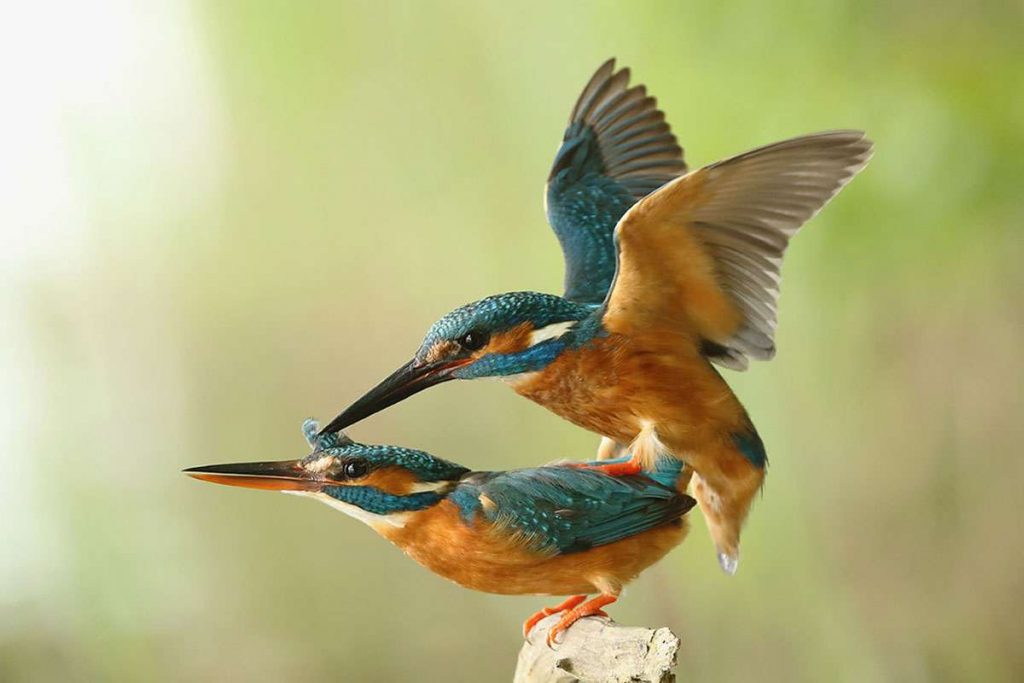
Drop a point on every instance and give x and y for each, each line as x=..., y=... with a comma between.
x=614, y=108
x=595, y=83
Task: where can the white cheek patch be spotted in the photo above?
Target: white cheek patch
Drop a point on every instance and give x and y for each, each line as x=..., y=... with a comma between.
x=371, y=519
x=550, y=332
x=430, y=486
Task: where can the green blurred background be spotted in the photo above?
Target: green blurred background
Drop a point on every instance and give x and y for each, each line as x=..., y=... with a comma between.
x=221, y=218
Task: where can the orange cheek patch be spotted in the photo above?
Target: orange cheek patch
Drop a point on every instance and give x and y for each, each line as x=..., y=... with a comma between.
x=394, y=480
x=510, y=341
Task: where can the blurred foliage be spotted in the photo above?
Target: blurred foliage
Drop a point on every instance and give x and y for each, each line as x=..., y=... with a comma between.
x=229, y=216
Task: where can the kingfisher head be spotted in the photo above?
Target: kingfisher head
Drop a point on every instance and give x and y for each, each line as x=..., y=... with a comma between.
x=502, y=335
x=379, y=485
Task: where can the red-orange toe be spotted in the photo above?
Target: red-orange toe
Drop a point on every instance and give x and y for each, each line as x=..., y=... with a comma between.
x=591, y=608
x=548, y=611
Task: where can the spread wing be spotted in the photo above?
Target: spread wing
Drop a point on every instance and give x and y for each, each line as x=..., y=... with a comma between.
x=701, y=256
x=616, y=150
x=565, y=509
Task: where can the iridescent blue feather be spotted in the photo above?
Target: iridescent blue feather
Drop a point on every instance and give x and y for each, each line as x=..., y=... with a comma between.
x=616, y=150
x=559, y=509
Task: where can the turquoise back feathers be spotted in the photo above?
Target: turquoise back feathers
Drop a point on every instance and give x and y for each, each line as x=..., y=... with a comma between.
x=562, y=509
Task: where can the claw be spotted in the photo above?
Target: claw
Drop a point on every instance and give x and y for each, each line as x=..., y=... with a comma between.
x=548, y=611
x=588, y=609
x=554, y=636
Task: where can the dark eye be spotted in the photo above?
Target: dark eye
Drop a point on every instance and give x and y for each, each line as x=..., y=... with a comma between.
x=473, y=340
x=354, y=469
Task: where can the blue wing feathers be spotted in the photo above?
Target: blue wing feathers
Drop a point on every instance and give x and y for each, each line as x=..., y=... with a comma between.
x=564, y=509
x=616, y=150
x=750, y=445
x=583, y=215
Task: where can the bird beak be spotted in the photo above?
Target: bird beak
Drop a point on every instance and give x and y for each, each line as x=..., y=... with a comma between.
x=411, y=378
x=286, y=475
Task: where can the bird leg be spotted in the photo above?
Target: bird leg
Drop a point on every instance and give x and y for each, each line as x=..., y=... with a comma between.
x=591, y=608
x=548, y=611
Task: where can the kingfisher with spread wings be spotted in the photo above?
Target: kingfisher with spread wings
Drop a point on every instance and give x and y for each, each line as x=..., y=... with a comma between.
x=668, y=273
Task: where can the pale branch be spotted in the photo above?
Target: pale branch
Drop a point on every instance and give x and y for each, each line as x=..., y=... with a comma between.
x=597, y=649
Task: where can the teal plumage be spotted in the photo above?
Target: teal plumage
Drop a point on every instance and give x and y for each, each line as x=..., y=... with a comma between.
x=616, y=149
x=751, y=446
x=667, y=273
x=500, y=312
x=426, y=467
x=556, y=509
x=566, y=509
x=560, y=529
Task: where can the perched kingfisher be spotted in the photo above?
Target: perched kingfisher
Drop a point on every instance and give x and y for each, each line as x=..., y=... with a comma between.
x=552, y=530
x=667, y=273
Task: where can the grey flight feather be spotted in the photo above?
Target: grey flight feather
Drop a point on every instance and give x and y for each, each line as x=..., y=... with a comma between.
x=750, y=207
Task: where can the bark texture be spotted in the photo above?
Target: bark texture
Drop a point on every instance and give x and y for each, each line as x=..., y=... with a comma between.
x=596, y=649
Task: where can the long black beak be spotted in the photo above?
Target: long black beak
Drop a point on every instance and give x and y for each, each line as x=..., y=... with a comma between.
x=286, y=475
x=407, y=380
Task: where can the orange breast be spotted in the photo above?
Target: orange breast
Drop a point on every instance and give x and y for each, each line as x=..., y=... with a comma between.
x=617, y=383
x=480, y=557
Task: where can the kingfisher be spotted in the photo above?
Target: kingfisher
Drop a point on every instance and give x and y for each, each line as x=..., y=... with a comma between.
x=553, y=530
x=668, y=273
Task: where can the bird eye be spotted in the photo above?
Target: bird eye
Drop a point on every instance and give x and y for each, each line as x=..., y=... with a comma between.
x=354, y=469
x=473, y=340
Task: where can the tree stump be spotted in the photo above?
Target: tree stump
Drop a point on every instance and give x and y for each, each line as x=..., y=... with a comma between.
x=598, y=650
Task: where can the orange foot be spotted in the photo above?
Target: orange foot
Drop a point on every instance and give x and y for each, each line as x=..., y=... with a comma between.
x=591, y=608
x=548, y=611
